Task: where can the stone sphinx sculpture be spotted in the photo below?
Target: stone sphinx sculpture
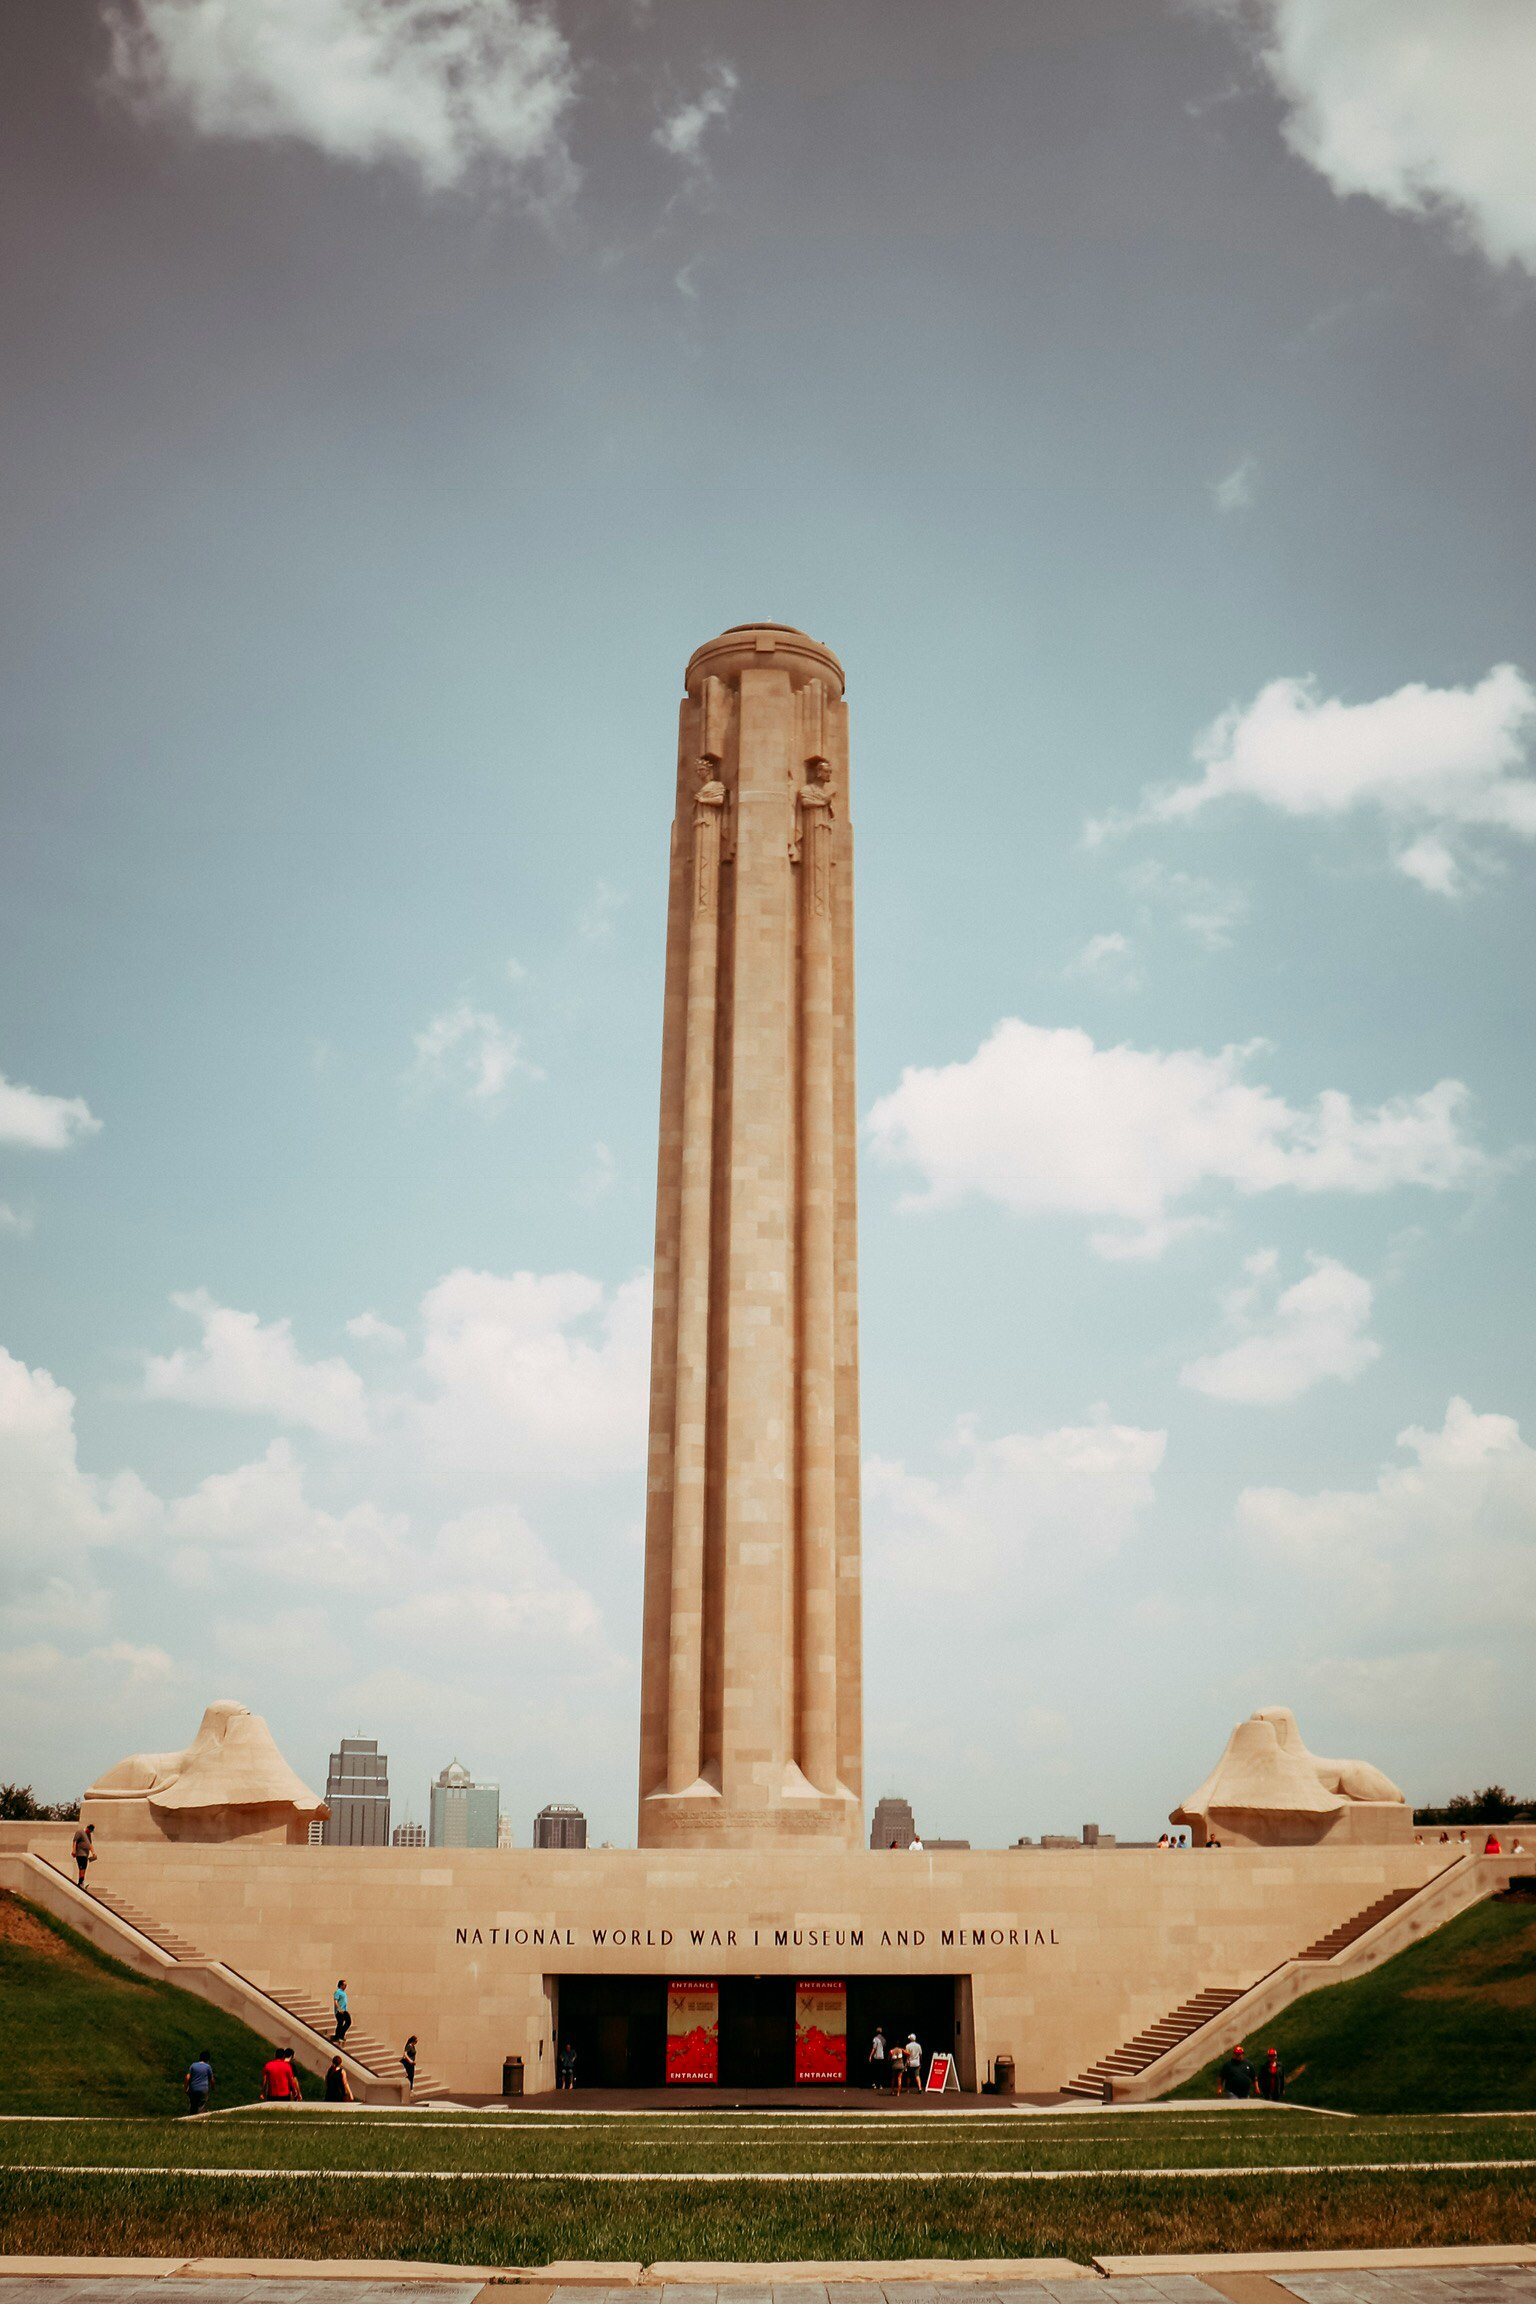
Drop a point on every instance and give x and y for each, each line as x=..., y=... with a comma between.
x=231, y=1783
x=1268, y=1791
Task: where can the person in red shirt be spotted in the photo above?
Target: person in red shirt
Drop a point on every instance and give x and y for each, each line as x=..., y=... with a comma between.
x=1491, y=1845
x=279, y=2081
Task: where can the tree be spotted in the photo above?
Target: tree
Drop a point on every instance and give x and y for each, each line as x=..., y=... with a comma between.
x=19, y=1805
x=1493, y=1805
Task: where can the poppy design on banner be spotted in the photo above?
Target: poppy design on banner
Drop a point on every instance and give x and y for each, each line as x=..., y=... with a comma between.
x=693, y=2032
x=821, y=2032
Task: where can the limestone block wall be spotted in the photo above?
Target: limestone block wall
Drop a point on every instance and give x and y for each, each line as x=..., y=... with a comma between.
x=1068, y=1954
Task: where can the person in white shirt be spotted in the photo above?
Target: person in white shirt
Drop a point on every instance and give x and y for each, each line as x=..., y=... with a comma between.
x=914, y=2061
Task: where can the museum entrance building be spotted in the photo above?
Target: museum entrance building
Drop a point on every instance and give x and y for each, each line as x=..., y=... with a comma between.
x=749, y=2031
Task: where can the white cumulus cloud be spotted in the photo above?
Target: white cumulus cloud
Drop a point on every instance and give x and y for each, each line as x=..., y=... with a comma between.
x=1027, y=1507
x=1441, y=1545
x=471, y=1047
x=43, y=1123
x=490, y=1587
x=1309, y=1332
x=436, y=1543
x=453, y=89
x=1203, y=908
x=1435, y=762
x=256, y=1369
x=1043, y=1121
x=682, y=131
x=1108, y=959
x=51, y=1512
x=262, y=1514
x=1424, y=105
x=545, y=1373
x=1236, y=490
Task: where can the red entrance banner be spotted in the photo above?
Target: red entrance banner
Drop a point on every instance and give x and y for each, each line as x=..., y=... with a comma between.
x=821, y=2032
x=693, y=2033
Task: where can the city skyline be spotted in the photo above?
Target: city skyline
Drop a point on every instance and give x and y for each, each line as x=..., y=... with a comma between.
x=1153, y=449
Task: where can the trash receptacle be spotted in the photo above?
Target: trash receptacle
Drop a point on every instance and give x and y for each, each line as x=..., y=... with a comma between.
x=1002, y=2075
x=512, y=2076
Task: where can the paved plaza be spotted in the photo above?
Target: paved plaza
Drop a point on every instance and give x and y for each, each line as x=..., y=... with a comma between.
x=1404, y=2284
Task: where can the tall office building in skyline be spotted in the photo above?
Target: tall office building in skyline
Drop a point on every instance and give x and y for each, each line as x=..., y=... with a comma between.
x=357, y=1794
x=559, y=1826
x=464, y=1813
x=893, y=1824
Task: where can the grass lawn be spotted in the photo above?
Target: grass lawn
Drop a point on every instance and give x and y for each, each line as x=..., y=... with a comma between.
x=101, y=2052
x=682, y=2143
x=84, y=2033
x=1449, y=2025
x=472, y=2220
x=525, y=2188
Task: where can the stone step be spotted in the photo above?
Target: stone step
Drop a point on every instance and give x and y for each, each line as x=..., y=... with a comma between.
x=166, y=1938
x=1349, y=1932
x=1156, y=2041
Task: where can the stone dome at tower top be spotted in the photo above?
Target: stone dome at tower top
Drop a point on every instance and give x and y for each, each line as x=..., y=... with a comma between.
x=456, y=1774
x=765, y=647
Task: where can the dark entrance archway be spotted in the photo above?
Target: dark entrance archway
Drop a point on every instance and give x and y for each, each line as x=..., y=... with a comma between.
x=618, y=2026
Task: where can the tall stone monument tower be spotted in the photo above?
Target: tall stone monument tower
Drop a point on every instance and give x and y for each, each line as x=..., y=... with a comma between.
x=751, y=1728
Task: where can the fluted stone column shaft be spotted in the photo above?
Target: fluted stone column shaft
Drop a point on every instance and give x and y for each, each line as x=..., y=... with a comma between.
x=685, y=1718
x=750, y=1697
x=818, y=1311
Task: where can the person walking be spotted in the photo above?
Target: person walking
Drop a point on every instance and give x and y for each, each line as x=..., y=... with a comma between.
x=342, y=2012
x=1237, y=2076
x=1271, y=2078
x=276, y=2075
x=566, y=2072
x=199, y=2081
x=337, y=2089
x=914, y=2057
x=84, y=1848
x=408, y=2061
x=877, y=2058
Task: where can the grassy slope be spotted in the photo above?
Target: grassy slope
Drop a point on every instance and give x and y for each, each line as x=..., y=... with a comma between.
x=1448, y=2026
x=84, y=2034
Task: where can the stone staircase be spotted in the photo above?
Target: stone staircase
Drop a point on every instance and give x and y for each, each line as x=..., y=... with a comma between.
x=1161, y=2039
x=308, y=2009
x=1350, y=1931
x=304, y=2010
x=169, y=1942
x=1156, y=2041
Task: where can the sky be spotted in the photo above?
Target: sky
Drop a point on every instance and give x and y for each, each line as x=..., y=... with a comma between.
x=1138, y=398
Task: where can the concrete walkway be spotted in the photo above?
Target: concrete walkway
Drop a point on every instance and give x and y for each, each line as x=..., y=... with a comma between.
x=1488, y=2275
